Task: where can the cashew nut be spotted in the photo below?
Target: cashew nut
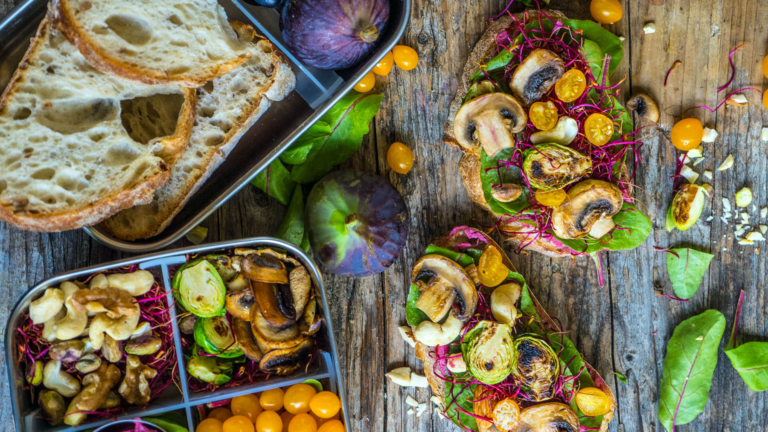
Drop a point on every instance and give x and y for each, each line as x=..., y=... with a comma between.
x=49, y=327
x=99, y=281
x=74, y=322
x=47, y=306
x=433, y=334
x=119, y=329
x=56, y=379
x=136, y=283
x=143, y=329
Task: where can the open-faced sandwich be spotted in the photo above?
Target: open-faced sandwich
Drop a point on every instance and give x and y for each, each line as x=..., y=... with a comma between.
x=547, y=145
x=494, y=358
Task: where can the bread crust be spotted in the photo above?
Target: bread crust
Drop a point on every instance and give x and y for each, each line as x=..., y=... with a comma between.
x=101, y=60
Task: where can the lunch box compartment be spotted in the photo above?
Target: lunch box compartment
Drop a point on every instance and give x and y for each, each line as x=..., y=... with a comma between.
x=323, y=369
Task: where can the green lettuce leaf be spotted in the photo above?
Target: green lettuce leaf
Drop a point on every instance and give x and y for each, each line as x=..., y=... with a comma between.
x=687, y=272
x=291, y=229
x=278, y=178
x=298, y=152
x=490, y=176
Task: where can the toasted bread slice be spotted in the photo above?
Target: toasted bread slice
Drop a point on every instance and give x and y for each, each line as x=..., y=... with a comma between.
x=227, y=107
x=188, y=42
x=79, y=145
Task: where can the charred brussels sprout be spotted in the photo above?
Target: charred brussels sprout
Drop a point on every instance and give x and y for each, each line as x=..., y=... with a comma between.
x=537, y=366
x=552, y=166
x=199, y=288
x=214, y=336
x=686, y=207
x=210, y=370
x=489, y=352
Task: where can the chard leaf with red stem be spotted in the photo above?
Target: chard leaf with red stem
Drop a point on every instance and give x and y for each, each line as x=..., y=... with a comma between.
x=686, y=268
x=751, y=359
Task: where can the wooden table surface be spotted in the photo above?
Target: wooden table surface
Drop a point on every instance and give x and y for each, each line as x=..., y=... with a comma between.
x=622, y=327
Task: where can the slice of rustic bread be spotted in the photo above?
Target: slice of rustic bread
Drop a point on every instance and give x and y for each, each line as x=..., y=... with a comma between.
x=226, y=108
x=188, y=42
x=80, y=145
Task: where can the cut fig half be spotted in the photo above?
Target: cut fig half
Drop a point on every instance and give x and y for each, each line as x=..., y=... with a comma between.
x=536, y=75
x=489, y=121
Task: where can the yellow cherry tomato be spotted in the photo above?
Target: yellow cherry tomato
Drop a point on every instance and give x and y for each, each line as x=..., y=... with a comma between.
x=687, y=134
x=286, y=417
x=246, y=405
x=543, y=115
x=272, y=400
x=333, y=426
x=269, y=421
x=384, y=67
x=491, y=269
x=571, y=86
x=296, y=399
x=406, y=58
x=550, y=198
x=238, y=424
x=221, y=413
x=400, y=158
x=506, y=414
x=599, y=129
x=606, y=11
x=321, y=421
x=765, y=68
x=593, y=402
x=325, y=404
x=210, y=425
x=366, y=84
x=302, y=423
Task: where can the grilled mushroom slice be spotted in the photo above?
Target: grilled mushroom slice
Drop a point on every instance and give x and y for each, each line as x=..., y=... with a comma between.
x=239, y=303
x=288, y=360
x=489, y=120
x=244, y=337
x=548, y=417
x=269, y=337
x=264, y=268
x=275, y=302
x=536, y=75
x=443, y=280
x=645, y=106
x=588, y=202
x=312, y=319
x=507, y=192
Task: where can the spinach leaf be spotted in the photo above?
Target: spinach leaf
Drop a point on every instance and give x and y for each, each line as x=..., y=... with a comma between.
x=616, y=110
x=595, y=58
x=291, y=229
x=490, y=175
x=498, y=63
x=751, y=359
x=688, y=367
x=586, y=245
x=621, y=377
x=638, y=226
x=298, y=151
x=687, y=271
x=463, y=395
x=414, y=315
x=607, y=41
x=348, y=121
x=278, y=179
x=463, y=259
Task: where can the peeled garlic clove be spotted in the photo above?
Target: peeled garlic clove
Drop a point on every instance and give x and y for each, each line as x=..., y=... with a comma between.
x=563, y=133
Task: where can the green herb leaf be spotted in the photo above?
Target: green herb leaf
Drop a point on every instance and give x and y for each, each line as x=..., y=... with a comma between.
x=638, y=226
x=314, y=383
x=617, y=111
x=490, y=175
x=608, y=42
x=621, y=377
x=688, y=367
x=687, y=271
x=595, y=58
x=298, y=152
x=463, y=399
x=414, y=315
x=348, y=120
x=497, y=63
x=751, y=359
x=279, y=179
x=169, y=422
x=462, y=259
x=291, y=229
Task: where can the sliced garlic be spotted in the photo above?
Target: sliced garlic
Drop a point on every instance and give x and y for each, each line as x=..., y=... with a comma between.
x=745, y=242
x=419, y=381
x=708, y=174
x=710, y=135
x=400, y=376
x=763, y=228
x=649, y=28
x=409, y=400
x=420, y=409
x=689, y=174
x=695, y=153
x=737, y=100
x=744, y=197
x=727, y=163
x=764, y=134
x=755, y=236
x=410, y=411
x=764, y=212
x=407, y=334
x=698, y=161
x=726, y=205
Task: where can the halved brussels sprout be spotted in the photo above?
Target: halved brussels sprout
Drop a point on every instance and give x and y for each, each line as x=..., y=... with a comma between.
x=199, y=288
x=209, y=369
x=215, y=336
x=227, y=266
x=686, y=207
x=552, y=166
x=537, y=366
x=489, y=352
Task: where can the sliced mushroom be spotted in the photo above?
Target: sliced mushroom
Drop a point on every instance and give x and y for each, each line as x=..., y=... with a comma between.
x=275, y=303
x=434, y=334
x=239, y=303
x=645, y=106
x=312, y=319
x=507, y=192
x=548, y=417
x=270, y=337
x=588, y=202
x=301, y=285
x=441, y=271
x=240, y=282
x=435, y=300
x=536, y=75
x=264, y=268
x=564, y=132
x=244, y=337
x=288, y=360
x=489, y=120
x=228, y=267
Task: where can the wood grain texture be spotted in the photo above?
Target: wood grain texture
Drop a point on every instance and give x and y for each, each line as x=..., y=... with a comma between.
x=623, y=327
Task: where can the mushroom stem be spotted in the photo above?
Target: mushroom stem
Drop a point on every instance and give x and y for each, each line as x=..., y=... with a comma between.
x=492, y=139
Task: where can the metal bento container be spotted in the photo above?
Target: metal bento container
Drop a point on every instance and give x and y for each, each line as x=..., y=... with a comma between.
x=325, y=369
x=316, y=92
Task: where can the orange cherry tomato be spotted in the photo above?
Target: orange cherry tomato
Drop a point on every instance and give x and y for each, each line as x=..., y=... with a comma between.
x=406, y=58
x=302, y=423
x=400, y=158
x=286, y=417
x=238, y=424
x=321, y=421
x=491, y=269
x=506, y=414
x=325, y=404
x=687, y=134
x=297, y=397
x=269, y=421
x=551, y=198
x=366, y=84
x=221, y=413
x=246, y=405
x=599, y=129
x=571, y=86
x=384, y=67
x=272, y=400
x=593, y=402
x=543, y=115
x=333, y=426
x=606, y=11
x=210, y=425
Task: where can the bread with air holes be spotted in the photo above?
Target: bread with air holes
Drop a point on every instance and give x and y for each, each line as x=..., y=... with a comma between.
x=226, y=108
x=80, y=145
x=188, y=42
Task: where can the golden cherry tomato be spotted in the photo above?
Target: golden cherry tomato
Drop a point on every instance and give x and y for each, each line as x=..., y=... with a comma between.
x=599, y=129
x=302, y=423
x=269, y=421
x=687, y=134
x=551, y=198
x=333, y=426
x=400, y=158
x=210, y=425
x=325, y=404
x=543, y=115
x=238, y=424
x=571, y=86
x=606, y=11
x=366, y=84
x=593, y=402
x=296, y=399
x=491, y=269
x=321, y=421
x=272, y=400
x=406, y=57
x=221, y=413
x=506, y=414
x=246, y=405
x=765, y=68
x=286, y=417
x=384, y=67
